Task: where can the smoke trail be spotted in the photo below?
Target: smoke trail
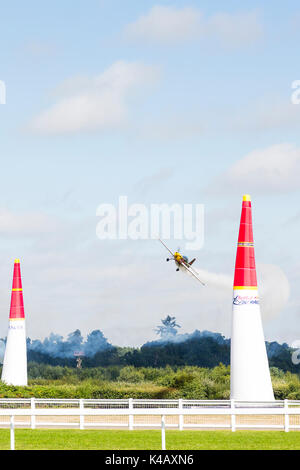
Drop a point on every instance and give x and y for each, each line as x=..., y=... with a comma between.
x=273, y=286
x=212, y=279
x=2, y=350
x=274, y=291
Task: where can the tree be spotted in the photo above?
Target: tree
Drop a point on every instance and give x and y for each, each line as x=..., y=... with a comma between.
x=95, y=342
x=169, y=328
x=74, y=341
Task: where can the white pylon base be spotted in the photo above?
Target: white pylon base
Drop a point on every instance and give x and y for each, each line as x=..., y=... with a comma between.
x=14, y=371
x=250, y=374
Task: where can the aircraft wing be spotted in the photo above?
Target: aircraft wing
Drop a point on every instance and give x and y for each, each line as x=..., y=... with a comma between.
x=166, y=247
x=193, y=272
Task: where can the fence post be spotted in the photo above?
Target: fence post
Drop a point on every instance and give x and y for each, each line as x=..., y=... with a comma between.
x=12, y=433
x=81, y=418
x=286, y=416
x=32, y=420
x=233, y=420
x=163, y=433
x=130, y=418
x=180, y=407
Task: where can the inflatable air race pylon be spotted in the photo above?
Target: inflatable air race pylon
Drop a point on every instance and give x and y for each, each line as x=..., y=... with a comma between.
x=250, y=374
x=14, y=370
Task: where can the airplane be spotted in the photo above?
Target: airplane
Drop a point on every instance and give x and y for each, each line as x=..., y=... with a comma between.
x=182, y=261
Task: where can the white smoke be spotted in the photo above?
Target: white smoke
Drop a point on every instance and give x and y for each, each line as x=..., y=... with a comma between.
x=2, y=350
x=274, y=291
x=215, y=279
x=273, y=287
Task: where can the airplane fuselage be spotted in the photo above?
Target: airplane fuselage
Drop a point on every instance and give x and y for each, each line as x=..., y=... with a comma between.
x=179, y=259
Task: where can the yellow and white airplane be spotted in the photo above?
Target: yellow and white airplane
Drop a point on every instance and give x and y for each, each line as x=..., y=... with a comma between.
x=182, y=262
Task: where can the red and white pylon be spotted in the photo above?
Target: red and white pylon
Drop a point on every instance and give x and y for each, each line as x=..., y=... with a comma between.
x=14, y=371
x=250, y=374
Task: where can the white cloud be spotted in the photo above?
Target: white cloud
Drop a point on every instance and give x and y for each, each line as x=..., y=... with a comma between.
x=38, y=50
x=97, y=103
x=236, y=29
x=170, y=25
x=267, y=113
x=23, y=224
x=275, y=168
x=166, y=24
x=173, y=125
x=151, y=182
x=253, y=117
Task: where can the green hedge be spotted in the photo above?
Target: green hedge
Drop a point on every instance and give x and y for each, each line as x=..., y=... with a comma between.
x=190, y=382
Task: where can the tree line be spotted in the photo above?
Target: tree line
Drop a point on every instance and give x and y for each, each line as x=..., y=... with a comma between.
x=201, y=349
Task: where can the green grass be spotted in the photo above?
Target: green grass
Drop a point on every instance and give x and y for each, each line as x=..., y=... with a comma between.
x=38, y=439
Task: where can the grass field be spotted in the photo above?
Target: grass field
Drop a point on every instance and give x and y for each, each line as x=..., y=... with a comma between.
x=149, y=440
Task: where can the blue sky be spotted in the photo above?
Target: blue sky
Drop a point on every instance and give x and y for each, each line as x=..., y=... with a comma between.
x=165, y=102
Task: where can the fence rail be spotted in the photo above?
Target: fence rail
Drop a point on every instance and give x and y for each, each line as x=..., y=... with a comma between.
x=133, y=413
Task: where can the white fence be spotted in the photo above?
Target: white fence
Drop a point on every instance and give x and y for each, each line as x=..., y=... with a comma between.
x=132, y=414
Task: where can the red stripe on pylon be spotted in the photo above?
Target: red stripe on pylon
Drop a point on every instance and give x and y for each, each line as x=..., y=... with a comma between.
x=17, y=304
x=245, y=270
